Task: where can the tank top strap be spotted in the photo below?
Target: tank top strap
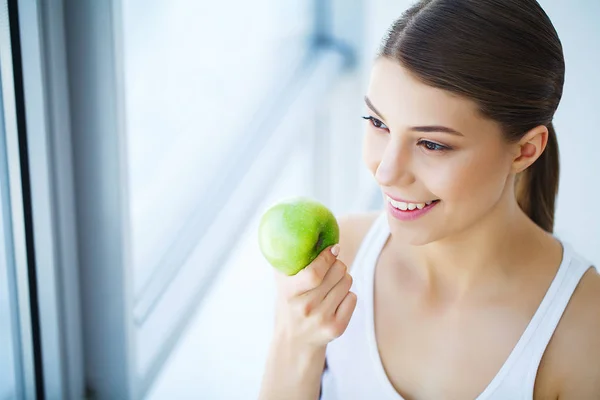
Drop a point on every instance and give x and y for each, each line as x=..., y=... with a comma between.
x=519, y=372
x=552, y=310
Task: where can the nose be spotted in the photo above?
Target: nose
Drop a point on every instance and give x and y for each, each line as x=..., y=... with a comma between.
x=395, y=166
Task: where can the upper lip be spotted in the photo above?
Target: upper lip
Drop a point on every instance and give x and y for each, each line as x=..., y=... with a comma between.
x=406, y=201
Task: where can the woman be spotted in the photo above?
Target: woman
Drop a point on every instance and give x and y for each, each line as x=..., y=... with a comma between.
x=459, y=290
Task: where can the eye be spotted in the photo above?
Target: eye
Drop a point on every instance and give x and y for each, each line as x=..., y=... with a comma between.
x=431, y=146
x=376, y=123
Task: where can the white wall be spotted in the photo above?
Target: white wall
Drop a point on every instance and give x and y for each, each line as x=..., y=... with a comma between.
x=576, y=121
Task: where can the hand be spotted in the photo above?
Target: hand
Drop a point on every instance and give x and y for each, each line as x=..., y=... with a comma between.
x=315, y=305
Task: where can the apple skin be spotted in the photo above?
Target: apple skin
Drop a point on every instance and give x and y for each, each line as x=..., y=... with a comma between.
x=294, y=231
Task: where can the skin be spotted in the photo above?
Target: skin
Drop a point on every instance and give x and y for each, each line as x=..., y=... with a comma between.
x=472, y=271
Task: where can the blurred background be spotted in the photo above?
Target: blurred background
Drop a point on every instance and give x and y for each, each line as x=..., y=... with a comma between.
x=140, y=142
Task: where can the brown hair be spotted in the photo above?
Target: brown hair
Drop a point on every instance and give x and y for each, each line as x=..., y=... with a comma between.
x=506, y=56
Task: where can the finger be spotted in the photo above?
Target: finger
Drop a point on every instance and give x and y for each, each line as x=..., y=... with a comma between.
x=346, y=309
x=335, y=296
x=313, y=298
x=333, y=276
x=314, y=273
x=307, y=278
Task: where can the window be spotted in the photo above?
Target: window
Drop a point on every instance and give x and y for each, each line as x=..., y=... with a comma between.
x=189, y=116
x=18, y=357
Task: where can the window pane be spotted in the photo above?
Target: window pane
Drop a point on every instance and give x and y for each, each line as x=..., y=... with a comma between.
x=195, y=75
x=7, y=288
x=228, y=339
x=7, y=356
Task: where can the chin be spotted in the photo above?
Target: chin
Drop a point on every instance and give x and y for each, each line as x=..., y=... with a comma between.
x=414, y=237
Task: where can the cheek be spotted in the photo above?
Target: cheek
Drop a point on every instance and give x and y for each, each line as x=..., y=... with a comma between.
x=472, y=177
x=372, y=151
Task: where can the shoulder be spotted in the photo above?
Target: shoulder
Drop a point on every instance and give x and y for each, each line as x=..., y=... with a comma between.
x=576, y=342
x=353, y=228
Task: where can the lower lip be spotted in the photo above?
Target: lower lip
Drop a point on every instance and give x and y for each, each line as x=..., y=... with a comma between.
x=409, y=215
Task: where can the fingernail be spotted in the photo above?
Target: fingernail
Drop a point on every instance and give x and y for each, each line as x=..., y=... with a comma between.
x=335, y=250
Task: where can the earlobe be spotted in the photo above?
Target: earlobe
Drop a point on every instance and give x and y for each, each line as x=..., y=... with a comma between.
x=530, y=148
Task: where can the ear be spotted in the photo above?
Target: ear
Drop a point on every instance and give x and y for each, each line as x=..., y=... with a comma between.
x=529, y=148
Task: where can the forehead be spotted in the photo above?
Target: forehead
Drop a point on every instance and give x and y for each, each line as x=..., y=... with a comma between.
x=402, y=98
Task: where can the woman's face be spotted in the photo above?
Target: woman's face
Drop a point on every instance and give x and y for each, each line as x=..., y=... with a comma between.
x=465, y=171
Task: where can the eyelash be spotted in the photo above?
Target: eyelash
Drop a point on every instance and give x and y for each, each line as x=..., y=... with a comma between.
x=374, y=121
x=430, y=146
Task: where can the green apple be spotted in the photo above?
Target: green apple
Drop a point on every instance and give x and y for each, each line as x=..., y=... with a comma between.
x=294, y=231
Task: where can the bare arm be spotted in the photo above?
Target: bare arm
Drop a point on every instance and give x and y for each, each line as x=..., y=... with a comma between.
x=292, y=372
x=579, y=360
x=313, y=308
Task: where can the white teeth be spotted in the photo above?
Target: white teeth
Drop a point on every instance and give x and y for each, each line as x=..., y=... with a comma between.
x=429, y=203
x=406, y=206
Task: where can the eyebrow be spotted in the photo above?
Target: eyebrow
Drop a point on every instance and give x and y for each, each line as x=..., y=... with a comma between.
x=429, y=128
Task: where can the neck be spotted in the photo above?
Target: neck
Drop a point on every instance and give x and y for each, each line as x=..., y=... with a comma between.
x=477, y=259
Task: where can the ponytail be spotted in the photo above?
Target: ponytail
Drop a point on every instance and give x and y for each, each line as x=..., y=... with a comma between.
x=537, y=186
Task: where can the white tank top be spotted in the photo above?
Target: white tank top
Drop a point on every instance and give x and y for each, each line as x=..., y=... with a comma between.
x=353, y=366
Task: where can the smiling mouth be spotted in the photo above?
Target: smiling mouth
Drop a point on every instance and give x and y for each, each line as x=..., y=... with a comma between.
x=402, y=206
